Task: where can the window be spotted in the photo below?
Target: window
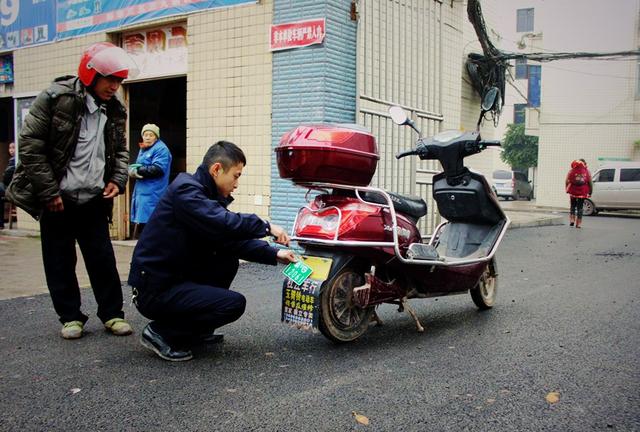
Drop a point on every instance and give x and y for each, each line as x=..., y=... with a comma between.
x=605, y=175
x=534, y=86
x=502, y=175
x=525, y=20
x=630, y=174
x=520, y=176
x=521, y=69
x=519, y=113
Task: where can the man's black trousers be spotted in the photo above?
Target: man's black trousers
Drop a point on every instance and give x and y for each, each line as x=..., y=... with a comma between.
x=189, y=310
x=87, y=224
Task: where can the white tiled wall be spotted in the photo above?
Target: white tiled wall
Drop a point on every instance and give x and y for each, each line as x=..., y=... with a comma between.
x=229, y=94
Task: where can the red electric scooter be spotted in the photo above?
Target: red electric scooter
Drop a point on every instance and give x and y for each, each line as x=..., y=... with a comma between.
x=362, y=243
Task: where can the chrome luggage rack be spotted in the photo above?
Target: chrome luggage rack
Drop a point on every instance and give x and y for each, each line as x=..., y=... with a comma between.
x=442, y=261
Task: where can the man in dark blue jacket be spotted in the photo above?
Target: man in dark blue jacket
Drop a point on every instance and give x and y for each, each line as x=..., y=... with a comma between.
x=188, y=254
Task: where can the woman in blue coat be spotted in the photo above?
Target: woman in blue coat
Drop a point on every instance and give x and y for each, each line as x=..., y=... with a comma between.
x=151, y=171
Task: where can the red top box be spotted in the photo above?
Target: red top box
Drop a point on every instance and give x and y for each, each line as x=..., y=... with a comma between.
x=328, y=153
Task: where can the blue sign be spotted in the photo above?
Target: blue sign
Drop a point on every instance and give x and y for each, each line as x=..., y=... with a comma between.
x=26, y=23
x=80, y=17
x=6, y=69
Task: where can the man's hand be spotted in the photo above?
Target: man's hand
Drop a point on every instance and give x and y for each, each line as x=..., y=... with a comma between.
x=110, y=191
x=280, y=235
x=286, y=256
x=55, y=204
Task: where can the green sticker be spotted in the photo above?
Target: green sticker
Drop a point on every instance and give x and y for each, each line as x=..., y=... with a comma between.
x=298, y=272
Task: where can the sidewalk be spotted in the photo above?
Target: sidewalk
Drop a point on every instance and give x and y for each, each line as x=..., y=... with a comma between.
x=526, y=214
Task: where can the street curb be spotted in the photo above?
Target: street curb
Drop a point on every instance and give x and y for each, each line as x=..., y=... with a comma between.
x=538, y=222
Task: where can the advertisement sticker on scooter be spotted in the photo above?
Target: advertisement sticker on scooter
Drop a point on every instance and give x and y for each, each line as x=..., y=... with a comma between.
x=301, y=291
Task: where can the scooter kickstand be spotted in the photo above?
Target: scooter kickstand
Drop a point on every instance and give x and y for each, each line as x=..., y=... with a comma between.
x=376, y=318
x=404, y=305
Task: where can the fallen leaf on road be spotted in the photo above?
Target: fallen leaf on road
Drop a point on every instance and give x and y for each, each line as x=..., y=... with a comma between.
x=490, y=401
x=74, y=390
x=232, y=390
x=553, y=397
x=268, y=354
x=360, y=418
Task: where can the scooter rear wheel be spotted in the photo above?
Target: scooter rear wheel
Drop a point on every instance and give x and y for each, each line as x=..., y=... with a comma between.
x=484, y=293
x=341, y=320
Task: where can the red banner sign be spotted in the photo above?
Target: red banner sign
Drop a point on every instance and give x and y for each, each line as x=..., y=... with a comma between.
x=297, y=34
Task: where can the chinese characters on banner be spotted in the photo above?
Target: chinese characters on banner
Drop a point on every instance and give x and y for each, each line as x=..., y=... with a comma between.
x=300, y=303
x=297, y=34
x=159, y=51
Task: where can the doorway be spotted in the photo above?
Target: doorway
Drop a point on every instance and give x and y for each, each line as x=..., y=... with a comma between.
x=6, y=131
x=163, y=102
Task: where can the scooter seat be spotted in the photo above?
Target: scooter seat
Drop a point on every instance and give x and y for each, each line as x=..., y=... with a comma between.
x=414, y=207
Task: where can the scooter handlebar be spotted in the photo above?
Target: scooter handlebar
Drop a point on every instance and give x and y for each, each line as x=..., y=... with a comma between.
x=490, y=143
x=406, y=153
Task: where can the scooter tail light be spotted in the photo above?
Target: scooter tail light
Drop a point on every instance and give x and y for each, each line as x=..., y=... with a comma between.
x=323, y=224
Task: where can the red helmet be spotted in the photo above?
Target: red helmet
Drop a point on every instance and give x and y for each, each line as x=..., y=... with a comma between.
x=106, y=59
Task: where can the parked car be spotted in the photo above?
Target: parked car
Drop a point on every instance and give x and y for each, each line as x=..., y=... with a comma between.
x=512, y=185
x=616, y=186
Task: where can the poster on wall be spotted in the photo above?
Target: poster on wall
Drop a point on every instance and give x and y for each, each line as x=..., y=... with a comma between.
x=158, y=52
x=297, y=34
x=6, y=69
x=25, y=23
x=80, y=17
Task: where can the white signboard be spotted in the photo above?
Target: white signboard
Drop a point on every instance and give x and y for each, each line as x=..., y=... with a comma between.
x=158, y=52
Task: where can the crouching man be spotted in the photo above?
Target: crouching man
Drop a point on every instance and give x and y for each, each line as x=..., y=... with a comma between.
x=187, y=256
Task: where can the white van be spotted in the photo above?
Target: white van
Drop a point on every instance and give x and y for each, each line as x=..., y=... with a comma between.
x=616, y=186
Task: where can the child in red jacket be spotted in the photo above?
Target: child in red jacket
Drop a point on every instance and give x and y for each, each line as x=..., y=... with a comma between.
x=579, y=186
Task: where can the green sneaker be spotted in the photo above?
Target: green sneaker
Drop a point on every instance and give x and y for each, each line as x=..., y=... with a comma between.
x=118, y=327
x=72, y=330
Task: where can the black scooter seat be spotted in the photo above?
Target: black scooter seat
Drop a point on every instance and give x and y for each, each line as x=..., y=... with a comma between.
x=414, y=207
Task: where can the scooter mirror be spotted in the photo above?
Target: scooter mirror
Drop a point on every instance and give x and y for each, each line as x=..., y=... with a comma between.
x=398, y=115
x=489, y=98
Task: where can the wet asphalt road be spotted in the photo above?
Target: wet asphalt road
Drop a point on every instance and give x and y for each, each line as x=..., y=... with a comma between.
x=567, y=320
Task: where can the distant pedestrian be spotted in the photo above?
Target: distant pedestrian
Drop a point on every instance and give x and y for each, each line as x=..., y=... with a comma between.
x=6, y=179
x=68, y=175
x=579, y=186
x=151, y=171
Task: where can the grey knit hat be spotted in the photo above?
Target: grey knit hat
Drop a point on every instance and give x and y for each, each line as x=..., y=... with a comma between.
x=151, y=127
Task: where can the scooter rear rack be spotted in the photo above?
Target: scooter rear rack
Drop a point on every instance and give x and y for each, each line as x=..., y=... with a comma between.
x=417, y=259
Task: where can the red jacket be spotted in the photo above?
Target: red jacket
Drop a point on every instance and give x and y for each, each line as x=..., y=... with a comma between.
x=578, y=181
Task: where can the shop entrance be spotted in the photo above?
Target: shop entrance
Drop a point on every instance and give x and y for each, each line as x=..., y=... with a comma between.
x=163, y=102
x=7, y=212
x=6, y=131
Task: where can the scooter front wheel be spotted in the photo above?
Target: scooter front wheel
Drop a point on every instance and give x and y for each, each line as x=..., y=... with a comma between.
x=484, y=293
x=341, y=320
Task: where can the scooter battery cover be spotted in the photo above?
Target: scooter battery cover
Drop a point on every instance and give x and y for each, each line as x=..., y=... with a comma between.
x=328, y=153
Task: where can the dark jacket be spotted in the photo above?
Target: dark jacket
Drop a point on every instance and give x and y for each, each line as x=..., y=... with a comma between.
x=9, y=171
x=192, y=235
x=48, y=140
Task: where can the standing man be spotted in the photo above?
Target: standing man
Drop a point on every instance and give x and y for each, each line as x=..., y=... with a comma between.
x=73, y=162
x=188, y=254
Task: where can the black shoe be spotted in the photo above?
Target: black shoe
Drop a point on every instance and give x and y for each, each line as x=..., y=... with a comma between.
x=212, y=339
x=156, y=343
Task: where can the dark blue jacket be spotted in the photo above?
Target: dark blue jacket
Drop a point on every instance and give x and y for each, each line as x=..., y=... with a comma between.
x=191, y=236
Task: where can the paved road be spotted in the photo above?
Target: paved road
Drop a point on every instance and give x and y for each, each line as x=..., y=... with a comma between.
x=567, y=320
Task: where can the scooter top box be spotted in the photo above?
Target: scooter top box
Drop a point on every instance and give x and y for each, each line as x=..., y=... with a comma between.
x=328, y=153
